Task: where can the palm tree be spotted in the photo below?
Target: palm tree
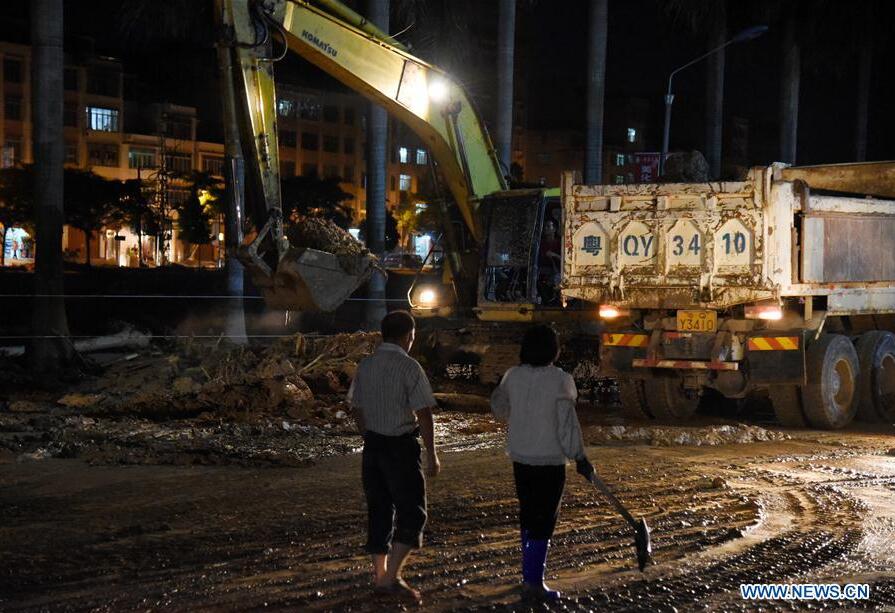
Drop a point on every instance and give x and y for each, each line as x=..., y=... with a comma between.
x=597, y=32
x=49, y=349
x=377, y=171
x=506, y=37
x=714, y=88
x=790, y=76
x=865, y=67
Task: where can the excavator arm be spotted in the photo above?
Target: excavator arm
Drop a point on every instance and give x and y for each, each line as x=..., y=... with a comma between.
x=343, y=44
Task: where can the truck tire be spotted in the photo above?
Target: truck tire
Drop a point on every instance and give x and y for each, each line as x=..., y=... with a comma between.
x=787, y=403
x=667, y=400
x=830, y=398
x=876, y=382
x=633, y=399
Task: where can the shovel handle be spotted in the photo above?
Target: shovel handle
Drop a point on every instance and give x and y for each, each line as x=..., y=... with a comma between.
x=604, y=489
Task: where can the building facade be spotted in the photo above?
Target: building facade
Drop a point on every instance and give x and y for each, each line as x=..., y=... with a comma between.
x=321, y=133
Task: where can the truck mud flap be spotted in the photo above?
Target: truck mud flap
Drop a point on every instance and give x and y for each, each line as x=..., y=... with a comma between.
x=776, y=357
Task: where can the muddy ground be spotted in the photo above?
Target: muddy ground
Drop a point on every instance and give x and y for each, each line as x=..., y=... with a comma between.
x=117, y=513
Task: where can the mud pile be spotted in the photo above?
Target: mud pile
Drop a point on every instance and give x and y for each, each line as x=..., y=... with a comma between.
x=301, y=377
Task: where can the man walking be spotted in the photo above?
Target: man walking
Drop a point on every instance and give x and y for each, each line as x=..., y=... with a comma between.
x=392, y=402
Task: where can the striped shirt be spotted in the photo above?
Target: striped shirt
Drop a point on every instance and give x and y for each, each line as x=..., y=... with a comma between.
x=389, y=387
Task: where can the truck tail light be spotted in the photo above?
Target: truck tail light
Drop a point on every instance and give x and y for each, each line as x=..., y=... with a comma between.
x=608, y=311
x=768, y=312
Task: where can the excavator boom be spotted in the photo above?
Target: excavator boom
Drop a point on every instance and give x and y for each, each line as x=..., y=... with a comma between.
x=343, y=44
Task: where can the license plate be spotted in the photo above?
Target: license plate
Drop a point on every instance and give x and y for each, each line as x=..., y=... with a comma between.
x=697, y=321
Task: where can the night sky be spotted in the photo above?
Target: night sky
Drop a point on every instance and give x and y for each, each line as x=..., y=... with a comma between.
x=645, y=44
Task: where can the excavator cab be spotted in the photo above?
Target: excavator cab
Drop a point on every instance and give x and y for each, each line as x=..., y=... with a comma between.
x=521, y=258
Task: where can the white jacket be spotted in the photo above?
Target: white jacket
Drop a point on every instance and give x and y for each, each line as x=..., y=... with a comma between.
x=538, y=402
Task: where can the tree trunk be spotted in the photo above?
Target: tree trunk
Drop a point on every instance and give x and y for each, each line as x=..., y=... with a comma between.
x=865, y=66
x=377, y=171
x=3, y=246
x=87, y=248
x=714, y=91
x=506, y=37
x=50, y=348
x=234, y=171
x=597, y=38
x=789, y=90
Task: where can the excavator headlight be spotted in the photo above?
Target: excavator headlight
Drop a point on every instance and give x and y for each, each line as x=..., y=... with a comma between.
x=428, y=298
x=438, y=90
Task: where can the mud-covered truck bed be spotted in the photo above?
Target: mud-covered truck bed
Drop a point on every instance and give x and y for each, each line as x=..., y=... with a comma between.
x=783, y=282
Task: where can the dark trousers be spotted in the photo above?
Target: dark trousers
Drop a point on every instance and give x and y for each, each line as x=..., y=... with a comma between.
x=539, y=489
x=392, y=472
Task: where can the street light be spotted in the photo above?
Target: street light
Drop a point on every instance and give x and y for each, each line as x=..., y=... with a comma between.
x=747, y=34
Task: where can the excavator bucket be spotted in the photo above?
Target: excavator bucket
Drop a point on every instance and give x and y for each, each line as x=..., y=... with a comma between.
x=310, y=280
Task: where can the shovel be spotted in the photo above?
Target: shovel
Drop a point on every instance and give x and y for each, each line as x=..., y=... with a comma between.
x=642, y=544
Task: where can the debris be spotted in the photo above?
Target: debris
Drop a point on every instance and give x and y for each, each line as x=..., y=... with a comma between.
x=80, y=401
x=126, y=338
x=683, y=435
x=324, y=235
x=23, y=406
x=686, y=167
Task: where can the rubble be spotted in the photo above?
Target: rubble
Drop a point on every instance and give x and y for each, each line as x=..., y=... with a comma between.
x=293, y=377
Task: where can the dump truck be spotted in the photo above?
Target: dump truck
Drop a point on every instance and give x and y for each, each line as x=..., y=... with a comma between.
x=783, y=283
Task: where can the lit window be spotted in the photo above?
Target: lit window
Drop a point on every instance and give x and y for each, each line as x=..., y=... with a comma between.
x=619, y=159
x=421, y=157
x=102, y=119
x=286, y=107
x=140, y=158
x=404, y=183
x=402, y=155
x=632, y=135
x=12, y=152
x=309, y=108
x=620, y=179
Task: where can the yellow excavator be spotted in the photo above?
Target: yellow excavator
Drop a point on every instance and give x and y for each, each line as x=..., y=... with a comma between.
x=497, y=269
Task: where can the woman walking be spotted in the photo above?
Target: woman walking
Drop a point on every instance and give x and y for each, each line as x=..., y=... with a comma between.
x=538, y=399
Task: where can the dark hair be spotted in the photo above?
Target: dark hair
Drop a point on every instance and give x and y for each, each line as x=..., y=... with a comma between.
x=540, y=346
x=396, y=325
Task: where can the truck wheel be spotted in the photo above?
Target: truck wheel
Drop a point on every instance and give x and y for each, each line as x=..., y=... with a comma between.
x=876, y=382
x=787, y=402
x=633, y=399
x=668, y=400
x=830, y=398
